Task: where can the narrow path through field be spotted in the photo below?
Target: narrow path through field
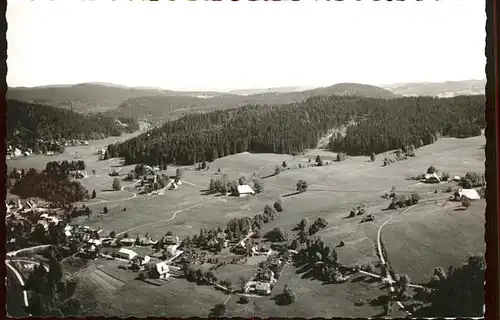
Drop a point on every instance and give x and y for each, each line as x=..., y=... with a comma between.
x=134, y=195
x=170, y=219
x=383, y=261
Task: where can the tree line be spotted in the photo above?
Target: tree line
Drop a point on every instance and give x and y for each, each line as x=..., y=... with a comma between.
x=55, y=188
x=33, y=125
x=373, y=126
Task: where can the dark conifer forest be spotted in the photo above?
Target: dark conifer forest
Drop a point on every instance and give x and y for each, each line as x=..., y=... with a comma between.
x=373, y=126
x=28, y=123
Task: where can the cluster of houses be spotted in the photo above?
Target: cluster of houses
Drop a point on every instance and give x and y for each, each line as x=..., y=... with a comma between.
x=24, y=207
x=17, y=152
x=265, y=279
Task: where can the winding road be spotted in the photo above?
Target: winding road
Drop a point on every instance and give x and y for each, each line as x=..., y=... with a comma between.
x=383, y=260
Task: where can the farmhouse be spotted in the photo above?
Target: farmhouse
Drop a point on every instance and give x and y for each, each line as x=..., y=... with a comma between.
x=263, y=288
x=160, y=271
x=172, y=249
x=126, y=254
x=244, y=190
x=170, y=239
x=470, y=194
x=127, y=242
x=432, y=178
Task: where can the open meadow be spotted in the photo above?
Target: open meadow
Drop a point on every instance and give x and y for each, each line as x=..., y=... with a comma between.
x=427, y=236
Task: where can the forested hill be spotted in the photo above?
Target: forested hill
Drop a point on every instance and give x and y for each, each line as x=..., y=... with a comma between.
x=163, y=108
x=89, y=97
x=27, y=122
x=379, y=125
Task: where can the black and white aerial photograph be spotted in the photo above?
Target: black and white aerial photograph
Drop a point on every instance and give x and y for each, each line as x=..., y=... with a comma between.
x=245, y=159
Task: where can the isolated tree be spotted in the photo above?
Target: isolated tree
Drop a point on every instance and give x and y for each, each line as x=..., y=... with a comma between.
x=301, y=186
x=116, y=184
x=242, y=181
x=303, y=224
x=466, y=203
x=319, y=161
x=277, y=170
x=372, y=157
x=94, y=194
x=258, y=186
x=218, y=310
x=178, y=173
x=431, y=170
x=276, y=235
x=284, y=165
x=93, y=172
x=279, y=205
x=112, y=234
x=288, y=296
x=105, y=210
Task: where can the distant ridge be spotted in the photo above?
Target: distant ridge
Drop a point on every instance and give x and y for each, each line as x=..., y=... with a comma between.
x=438, y=89
x=163, y=108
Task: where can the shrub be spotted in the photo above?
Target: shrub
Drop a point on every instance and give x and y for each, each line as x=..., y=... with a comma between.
x=466, y=203
x=445, y=176
x=472, y=180
x=244, y=300
x=116, y=184
x=301, y=186
x=360, y=302
x=279, y=205
x=431, y=170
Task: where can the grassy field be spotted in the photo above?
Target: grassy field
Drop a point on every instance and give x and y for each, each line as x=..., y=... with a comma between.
x=313, y=299
x=425, y=237
x=432, y=235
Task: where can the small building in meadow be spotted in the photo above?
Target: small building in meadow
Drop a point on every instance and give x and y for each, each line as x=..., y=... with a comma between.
x=125, y=253
x=432, y=178
x=244, y=190
x=470, y=194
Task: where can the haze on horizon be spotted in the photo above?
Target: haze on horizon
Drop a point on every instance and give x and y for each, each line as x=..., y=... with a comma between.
x=227, y=45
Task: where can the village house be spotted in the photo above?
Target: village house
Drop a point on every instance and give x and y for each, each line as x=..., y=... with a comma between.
x=432, y=178
x=171, y=250
x=147, y=241
x=244, y=190
x=469, y=194
x=160, y=271
x=127, y=254
x=263, y=288
x=169, y=239
x=127, y=242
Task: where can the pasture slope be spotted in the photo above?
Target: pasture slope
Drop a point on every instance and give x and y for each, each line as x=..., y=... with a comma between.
x=417, y=242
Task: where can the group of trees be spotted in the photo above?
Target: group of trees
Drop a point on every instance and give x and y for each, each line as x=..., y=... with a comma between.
x=473, y=180
x=49, y=186
x=225, y=186
x=404, y=200
x=381, y=125
x=34, y=125
x=322, y=258
x=457, y=292
x=51, y=294
x=64, y=167
x=419, y=120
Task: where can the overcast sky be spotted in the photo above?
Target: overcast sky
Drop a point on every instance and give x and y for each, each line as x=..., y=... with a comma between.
x=227, y=45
